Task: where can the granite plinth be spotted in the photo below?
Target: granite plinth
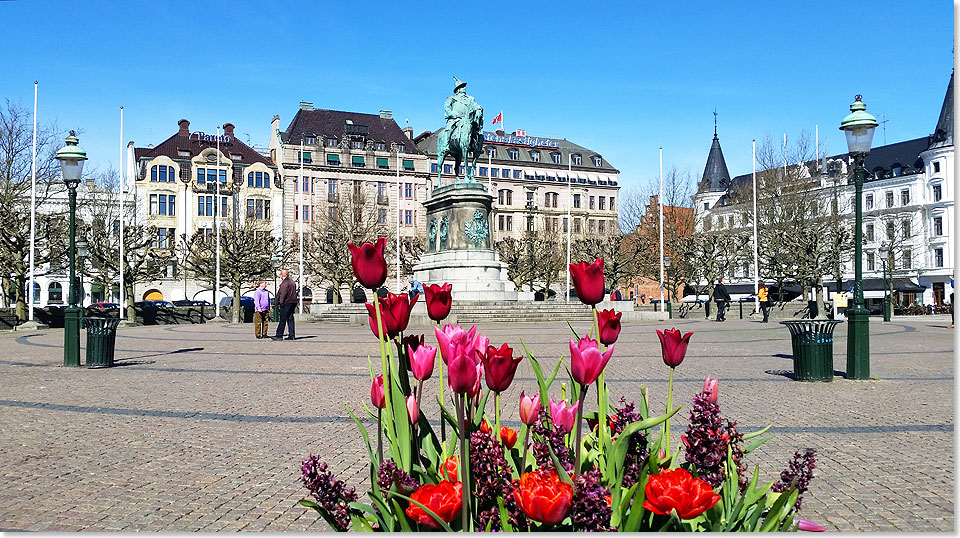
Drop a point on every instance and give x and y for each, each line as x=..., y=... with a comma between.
x=476, y=274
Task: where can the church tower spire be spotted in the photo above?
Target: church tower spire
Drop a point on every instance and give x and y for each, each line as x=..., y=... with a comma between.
x=716, y=178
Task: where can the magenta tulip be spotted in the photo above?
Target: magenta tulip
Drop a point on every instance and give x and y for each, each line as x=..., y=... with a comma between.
x=369, y=265
x=563, y=416
x=588, y=281
x=475, y=389
x=439, y=301
x=372, y=318
x=459, y=352
x=609, y=323
x=499, y=366
x=586, y=361
x=422, y=360
x=809, y=526
x=673, y=346
x=413, y=412
x=712, y=389
x=376, y=392
x=529, y=409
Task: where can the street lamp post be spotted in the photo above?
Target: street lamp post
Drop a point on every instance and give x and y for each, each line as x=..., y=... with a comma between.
x=884, y=255
x=71, y=159
x=858, y=127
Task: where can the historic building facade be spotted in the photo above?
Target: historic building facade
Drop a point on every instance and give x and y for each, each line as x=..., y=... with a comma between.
x=908, y=212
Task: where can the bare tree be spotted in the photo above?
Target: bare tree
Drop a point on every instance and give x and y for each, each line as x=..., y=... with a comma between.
x=710, y=256
x=620, y=257
x=514, y=253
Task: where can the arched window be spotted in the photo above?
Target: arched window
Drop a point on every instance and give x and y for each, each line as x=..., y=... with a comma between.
x=597, y=161
x=36, y=293
x=556, y=157
x=577, y=159
x=535, y=156
x=163, y=174
x=54, y=293
x=514, y=153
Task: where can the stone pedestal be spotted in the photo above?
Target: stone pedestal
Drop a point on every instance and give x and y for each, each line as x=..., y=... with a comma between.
x=459, y=247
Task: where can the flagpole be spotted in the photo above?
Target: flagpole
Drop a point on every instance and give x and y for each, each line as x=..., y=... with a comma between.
x=216, y=225
x=33, y=206
x=756, y=246
x=569, y=221
x=303, y=219
x=123, y=183
x=399, y=218
x=663, y=306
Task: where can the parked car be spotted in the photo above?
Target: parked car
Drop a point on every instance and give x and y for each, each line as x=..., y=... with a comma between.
x=152, y=304
x=189, y=302
x=244, y=301
x=104, y=306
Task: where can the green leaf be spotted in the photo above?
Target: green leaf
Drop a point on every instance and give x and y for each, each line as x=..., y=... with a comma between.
x=561, y=472
x=756, y=433
x=752, y=446
x=478, y=416
x=646, y=424
x=400, y=515
x=574, y=331
x=428, y=511
x=505, y=525
x=636, y=510
x=782, y=507
x=366, y=438
x=323, y=513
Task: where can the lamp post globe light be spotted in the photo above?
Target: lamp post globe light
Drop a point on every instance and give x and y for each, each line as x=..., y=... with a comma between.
x=71, y=159
x=858, y=127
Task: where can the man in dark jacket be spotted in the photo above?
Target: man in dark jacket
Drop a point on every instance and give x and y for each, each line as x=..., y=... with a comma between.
x=287, y=303
x=722, y=297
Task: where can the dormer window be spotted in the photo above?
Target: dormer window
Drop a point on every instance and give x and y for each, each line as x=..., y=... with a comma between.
x=576, y=159
x=356, y=144
x=310, y=140
x=597, y=161
x=514, y=153
x=556, y=157
x=330, y=142
x=535, y=156
x=236, y=157
x=381, y=146
x=401, y=148
x=491, y=152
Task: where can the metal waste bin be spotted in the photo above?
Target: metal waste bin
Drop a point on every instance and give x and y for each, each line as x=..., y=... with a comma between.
x=101, y=341
x=812, y=342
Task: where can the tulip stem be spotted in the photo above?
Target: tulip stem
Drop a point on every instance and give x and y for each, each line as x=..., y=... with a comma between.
x=601, y=393
x=523, y=462
x=380, y=434
x=464, y=462
x=496, y=403
x=443, y=423
x=583, y=396
x=387, y=386
x=666, y=423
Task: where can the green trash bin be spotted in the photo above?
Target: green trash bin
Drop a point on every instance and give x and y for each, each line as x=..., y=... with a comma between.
x=101, y=341
x=812, y=342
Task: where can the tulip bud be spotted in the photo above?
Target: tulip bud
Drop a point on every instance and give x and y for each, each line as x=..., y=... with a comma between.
x=449, y=469
x=412, y=410
x=484, y=427
x=711, y=389
x=608, y=322
x=809, y=526
x=529, y=409
x=376, y=392
x=673, y=346
x=508, y=436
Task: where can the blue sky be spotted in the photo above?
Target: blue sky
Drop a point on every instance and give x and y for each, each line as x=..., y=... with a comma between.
x=622, y=79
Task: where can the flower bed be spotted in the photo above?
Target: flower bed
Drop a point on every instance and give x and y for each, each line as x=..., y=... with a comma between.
x=624, y=473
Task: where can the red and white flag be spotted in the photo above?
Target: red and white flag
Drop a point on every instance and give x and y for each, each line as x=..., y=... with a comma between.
x=498, y=119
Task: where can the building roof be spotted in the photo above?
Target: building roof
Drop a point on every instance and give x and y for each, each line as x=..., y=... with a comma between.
x=320, y=123
x=184, y=140
x=943, y=135
x=427, y=143
x=715, y=175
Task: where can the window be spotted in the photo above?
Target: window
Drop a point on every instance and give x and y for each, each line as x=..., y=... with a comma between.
x=381, y=216
x=530, y=195
x=258, y=180
x=905, y=226
x=730, y=221
x=483, y=171
x=937, y=193
x=305, y=213
x=408, y=191
x=332, y=213
x=306, y=184
x=514, y=154
x=448, y=169
x=906, y=259
x=938, y=257
x=868, y=202
x=380, y=146
x=401, y=148
x=509, y=223
x=936, y=167
x=517, y=174
x=500, y=223
x=494, y=172
x=706, y=206
x=890, y=230
x=603, y=204
x=505, y=174
x=505, y=197
x=381, y=190
x=330, y=142
x=869, y=232
x=937, y=225
x=597, y=161
x=613, y=205
x=576, y=201
x=357, y=161
x=408, y=217
x=332, y=190
x=707, y=224
x=593, y=202
x=382, y=163
x=535, y=156
x=530, y=227
x=54, y=293
x=408, y=164
x=164, y=238
x=356, y=144
x=905, y=197
x=333, y=159
x=602, y=226
x=153, y=204
x=576, y=226
x=204, y=206
x=576, y=159
x=223, y=206
x=258, y=209
x=556, y=157
x=492, y=152
x=566, y=224
x=889, y=198
x=871, y=264
x=162, y=173
x=304, y=157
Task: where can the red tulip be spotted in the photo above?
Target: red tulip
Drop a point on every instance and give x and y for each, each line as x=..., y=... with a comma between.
x=543, y=497
x=422, y=360
x=712, y=388
x=499, y=367
x=588, y=281
x=449, y=468
x=439, y=301
x=609, y=322
x=673, y=346
x=376, y=392
x=444, y=500
x=485, y=427
x=563, y=417
x=369, y=265
x=459, y=351
x=677, y=489
x=529, y=409
x=413, y=411
x=586, y=361
x=508, y=436
x=397, y=312
x=372, y=318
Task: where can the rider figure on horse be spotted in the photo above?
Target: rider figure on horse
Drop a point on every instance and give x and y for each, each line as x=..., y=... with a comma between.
x=459, y=105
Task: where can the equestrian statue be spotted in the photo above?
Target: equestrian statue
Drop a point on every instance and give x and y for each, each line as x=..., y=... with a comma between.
x=463, y=134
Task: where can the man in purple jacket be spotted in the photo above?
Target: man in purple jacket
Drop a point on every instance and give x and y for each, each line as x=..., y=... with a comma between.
x=261, y=310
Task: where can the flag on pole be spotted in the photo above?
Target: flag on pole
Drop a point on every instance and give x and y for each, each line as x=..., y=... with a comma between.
x=498, y=119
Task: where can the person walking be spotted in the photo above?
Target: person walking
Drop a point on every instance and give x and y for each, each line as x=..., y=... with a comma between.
x=287, y=303
x=722, y=297
x=763, y=296
x=261, y=310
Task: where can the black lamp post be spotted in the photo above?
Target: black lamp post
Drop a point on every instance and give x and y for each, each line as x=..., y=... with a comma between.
x=71, y=159
x=858, y=127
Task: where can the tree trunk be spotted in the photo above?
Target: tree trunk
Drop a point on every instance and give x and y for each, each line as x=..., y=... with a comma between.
x=237, y=307
x=129, y=299
x=20, y=283
x=821, y=300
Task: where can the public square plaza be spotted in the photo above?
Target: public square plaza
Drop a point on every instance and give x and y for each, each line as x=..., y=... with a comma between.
x=202, y=427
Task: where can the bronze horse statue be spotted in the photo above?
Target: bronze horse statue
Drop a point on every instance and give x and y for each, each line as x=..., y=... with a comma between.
x=463, y=134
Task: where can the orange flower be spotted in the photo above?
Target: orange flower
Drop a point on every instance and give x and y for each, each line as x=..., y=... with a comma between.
x=443, y=499
x=678, y=490
x=508, y=436
x=543, y=496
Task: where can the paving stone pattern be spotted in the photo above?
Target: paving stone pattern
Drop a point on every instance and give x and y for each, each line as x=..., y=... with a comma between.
x=202, y=427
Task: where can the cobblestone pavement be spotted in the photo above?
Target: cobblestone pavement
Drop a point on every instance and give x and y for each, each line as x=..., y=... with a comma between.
x=202, y=427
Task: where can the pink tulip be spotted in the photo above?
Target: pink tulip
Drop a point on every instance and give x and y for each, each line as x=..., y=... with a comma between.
x=586, y=362
x=712, y=388
x=459, y=352
x=563, y=416
x=412, y=410
x=809, y=526
x=376, y=392
x=475, y=390
x=422, y=360
x=673, y=346
x=529, y=408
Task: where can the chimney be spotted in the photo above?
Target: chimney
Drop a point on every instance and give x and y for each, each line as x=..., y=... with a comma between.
x=228, y=129
x=408, y=131
x=184, y=128
x=306, y=105
x=386, y=115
